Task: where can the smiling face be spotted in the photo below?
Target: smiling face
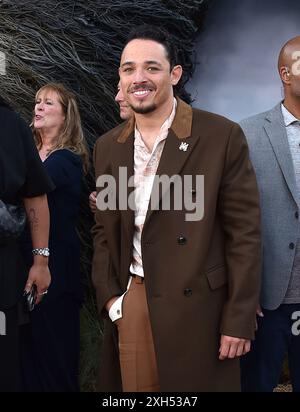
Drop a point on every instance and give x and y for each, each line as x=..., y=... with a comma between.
x=48, y=110
x=146, y=77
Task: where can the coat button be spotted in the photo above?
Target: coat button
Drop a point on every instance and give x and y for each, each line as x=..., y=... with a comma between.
x=292, y=246
x=181, y=240
x=188, y=292
x=297, y=215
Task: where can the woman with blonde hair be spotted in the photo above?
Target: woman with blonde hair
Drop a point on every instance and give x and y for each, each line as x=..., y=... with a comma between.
x=51, y=355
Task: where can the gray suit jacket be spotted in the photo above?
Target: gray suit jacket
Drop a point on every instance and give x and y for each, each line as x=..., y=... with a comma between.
x=272, y=161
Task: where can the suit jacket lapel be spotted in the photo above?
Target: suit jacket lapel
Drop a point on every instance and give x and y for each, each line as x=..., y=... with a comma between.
x=277, y=135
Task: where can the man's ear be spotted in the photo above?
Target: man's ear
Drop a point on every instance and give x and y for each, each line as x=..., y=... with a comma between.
x=176, y=74
x=285, y=74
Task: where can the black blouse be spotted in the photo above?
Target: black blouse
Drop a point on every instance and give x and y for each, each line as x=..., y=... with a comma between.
x=22, y=174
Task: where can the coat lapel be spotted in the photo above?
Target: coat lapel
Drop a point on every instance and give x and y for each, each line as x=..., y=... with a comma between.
x=276, y=131
x=174, y=156
x=172, y=160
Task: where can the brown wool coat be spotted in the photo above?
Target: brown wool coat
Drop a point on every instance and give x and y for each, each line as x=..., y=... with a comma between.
x=198, y=290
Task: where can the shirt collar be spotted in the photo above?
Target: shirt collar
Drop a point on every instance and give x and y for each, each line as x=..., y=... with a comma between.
x=288, y=117
x=163, y=130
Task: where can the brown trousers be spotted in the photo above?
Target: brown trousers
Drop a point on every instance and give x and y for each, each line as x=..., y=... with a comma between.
x=137, y=355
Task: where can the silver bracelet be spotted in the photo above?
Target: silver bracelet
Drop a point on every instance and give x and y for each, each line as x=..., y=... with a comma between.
x=44, y=251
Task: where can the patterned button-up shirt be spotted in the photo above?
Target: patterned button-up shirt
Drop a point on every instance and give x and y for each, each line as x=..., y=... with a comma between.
x=145, y=166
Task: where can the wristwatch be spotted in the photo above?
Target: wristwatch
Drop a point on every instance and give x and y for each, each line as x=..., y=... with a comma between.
x=43, y=251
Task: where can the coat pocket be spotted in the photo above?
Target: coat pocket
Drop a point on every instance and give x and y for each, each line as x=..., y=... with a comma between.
x=217, y=277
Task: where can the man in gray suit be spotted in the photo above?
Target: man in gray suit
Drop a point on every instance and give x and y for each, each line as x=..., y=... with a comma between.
x=274, y=142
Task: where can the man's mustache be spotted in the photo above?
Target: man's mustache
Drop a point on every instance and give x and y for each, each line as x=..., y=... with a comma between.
x=141, y=86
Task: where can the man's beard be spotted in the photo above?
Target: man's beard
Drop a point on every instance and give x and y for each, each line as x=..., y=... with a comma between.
x=145, y=109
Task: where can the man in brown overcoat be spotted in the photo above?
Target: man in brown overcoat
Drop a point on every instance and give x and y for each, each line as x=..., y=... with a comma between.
x=178, y=286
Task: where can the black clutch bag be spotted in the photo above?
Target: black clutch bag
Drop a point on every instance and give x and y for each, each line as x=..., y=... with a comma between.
x=12, y=220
